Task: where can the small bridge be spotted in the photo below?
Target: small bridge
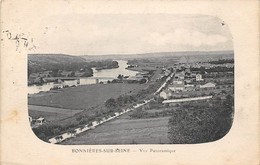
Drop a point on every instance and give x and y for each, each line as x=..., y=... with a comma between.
x=78, y=78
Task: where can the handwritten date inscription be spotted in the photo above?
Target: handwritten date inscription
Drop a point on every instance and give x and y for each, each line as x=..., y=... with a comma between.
x=20, y=40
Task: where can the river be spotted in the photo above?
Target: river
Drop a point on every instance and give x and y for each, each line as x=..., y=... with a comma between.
x=111, y=73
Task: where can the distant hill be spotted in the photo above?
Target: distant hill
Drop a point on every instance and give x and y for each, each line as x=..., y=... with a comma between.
x=56, y=62
x=158, y=54
x=44, y=62
x=38, y=59
x=54, y=58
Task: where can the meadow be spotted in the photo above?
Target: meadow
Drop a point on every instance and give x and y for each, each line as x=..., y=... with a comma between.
x=83, y=97
x=50, y=113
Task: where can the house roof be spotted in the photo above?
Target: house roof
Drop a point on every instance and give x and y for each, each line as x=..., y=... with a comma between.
x=180, y=73
x=138, y=77
x=176, y=85
x=209, y=83
x=41, y=118
x=166, y=91
x=178, y=79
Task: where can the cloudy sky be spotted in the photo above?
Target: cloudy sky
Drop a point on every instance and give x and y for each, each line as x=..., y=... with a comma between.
x=130, y=33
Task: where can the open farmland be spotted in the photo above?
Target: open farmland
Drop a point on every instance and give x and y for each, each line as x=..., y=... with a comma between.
x=50, y=113
x=83, y=97
x=125, y=130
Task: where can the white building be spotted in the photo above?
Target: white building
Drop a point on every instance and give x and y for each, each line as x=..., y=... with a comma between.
x=181, y=77
x=188, y=81
x=189, y=85
x=177, y=81
x=165, y=94
x=208, y=85
x=40, y=121
x=176, y=87
x=199, y=77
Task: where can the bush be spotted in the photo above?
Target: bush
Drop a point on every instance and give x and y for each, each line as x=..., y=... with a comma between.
x=201, y=122
x=139, y=114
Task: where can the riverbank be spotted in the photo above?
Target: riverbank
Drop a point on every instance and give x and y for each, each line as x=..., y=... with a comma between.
x=77, y=80
x=106, y=67
x=142, y=68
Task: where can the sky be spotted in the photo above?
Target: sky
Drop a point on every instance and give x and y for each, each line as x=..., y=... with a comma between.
x=90, y=34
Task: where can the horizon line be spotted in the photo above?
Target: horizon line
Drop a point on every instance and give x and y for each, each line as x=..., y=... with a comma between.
x=127, y=53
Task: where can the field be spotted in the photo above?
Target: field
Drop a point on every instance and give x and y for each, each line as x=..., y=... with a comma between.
x=83, y=97
x=157, y=74
x=125, y=130
x=50, y=113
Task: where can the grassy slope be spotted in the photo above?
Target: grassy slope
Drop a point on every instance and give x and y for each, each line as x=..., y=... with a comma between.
x=83, y=97
x=157, y=55
x=126, y=131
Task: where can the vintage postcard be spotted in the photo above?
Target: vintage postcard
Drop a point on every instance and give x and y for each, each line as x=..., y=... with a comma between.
x=142, y=82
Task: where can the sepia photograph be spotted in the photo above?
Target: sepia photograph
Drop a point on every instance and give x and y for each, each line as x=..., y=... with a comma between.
x=139, y=82
x=108, y=79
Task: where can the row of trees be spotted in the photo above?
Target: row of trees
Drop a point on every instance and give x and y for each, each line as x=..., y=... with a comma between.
x=107, y=64
x=222, y=61
x=203, y=70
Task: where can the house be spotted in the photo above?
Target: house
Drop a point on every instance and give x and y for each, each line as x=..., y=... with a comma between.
x=177, y=81
x=176, y=87
x=137, y=78
x=189, y=85
x=40, y=121
x=181, y=77
x=188, y=81
x=193, y=75
x=189, y=88
x=199, y=77
x=187, y=70
x=165, y=94
x=167, y=72
x=208, y=85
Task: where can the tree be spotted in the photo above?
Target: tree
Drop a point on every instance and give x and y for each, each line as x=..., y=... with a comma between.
x=72, y=74
x=229, y=101
x=120, y=76
x=120, y=100
x=111, y=103
x=212, y=93
x=143, y=81
x=88, y=72
x=73, y=132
